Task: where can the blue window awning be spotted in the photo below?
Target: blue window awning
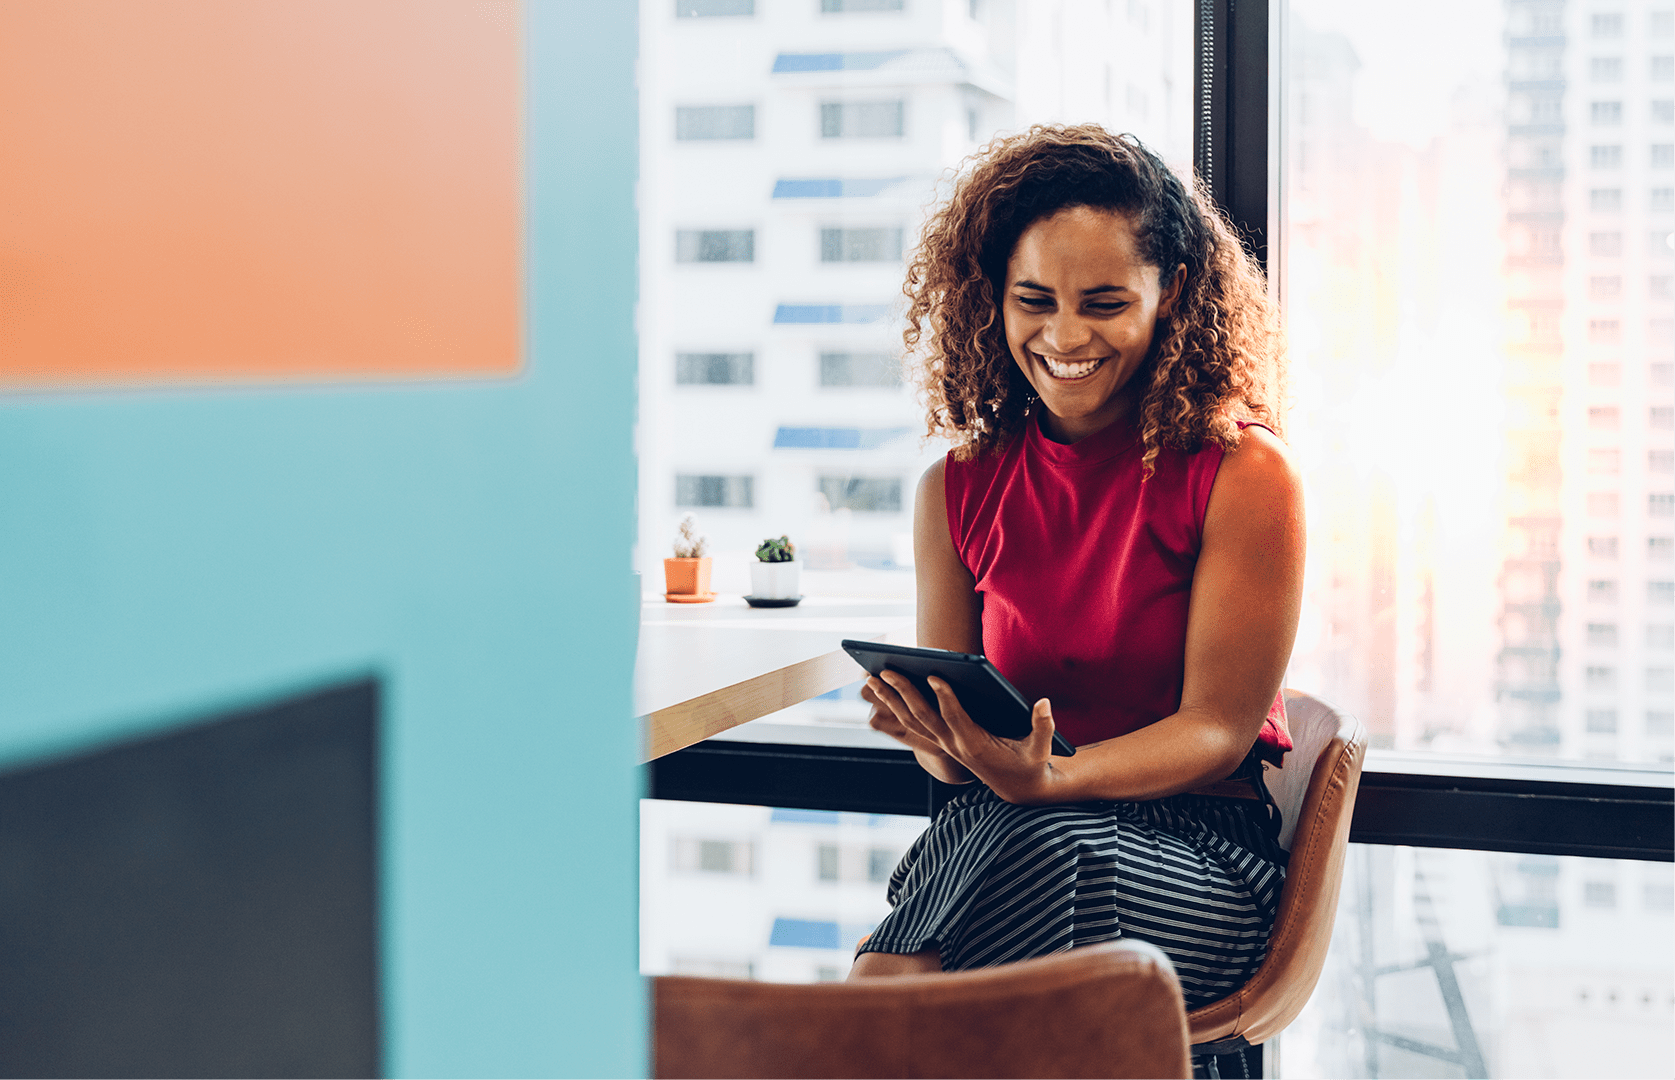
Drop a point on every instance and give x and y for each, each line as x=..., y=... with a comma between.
x=831, y=313
x=817, y=933
x=787, y=63
x=804, y=934
x=845, y=438
x=833, y=188
x=784, y=815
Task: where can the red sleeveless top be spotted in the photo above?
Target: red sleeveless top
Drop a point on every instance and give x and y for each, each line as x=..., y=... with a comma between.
x=1086, y=573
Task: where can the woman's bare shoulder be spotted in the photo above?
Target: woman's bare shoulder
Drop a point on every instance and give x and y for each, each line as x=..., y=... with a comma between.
x=1257, y=499
x=930, y=507
x=1260, y=461
x=933, y=480
x=949, y=611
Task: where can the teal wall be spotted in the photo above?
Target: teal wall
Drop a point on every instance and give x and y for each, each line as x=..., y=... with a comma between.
x=164, y=554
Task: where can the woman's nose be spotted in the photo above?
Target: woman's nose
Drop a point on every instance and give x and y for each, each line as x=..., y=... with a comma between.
x=1064, y=333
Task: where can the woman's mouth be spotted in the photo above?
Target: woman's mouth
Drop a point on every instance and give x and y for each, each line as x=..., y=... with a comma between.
x=1064, y=369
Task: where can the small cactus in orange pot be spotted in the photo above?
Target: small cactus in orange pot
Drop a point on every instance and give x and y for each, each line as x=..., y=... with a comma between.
x=686, y=577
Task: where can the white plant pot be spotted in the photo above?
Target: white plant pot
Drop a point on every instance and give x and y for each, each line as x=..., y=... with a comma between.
x=776, y=580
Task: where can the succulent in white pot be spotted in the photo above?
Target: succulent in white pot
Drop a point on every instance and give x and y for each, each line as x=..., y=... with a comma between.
x=777, y=572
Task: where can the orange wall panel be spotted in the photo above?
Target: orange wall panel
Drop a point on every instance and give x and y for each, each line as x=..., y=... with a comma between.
x=259, y=190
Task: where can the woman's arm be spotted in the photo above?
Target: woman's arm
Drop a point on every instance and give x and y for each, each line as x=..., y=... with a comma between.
x=949, y=615
x=1246, y=597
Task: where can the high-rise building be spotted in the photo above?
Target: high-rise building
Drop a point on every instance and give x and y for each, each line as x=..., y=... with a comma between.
x=1586, y=586
x=1615, y=546
x=788, y=153
x=1528, y=678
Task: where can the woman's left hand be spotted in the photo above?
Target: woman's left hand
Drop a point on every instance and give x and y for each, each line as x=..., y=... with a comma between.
x=1018, y=770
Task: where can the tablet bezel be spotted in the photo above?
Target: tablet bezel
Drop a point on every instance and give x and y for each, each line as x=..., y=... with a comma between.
x=972, y=677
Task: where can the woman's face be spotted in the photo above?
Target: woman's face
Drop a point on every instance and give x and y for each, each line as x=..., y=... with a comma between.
x=1080, y=310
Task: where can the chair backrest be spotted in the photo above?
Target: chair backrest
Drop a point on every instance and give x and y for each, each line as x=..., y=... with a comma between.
x=1314, y=725
x=1315, y=792
x=1106, y=1010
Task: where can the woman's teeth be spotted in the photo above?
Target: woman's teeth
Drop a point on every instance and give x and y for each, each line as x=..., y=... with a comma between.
x=1060, y=370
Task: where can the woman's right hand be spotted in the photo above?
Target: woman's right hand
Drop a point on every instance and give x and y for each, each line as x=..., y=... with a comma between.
x=932, y=757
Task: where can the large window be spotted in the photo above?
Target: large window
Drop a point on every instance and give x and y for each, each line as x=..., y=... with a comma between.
x=715, y=245
x=704, y=9
x=1470, y=230
x=1471, y=328
x=867, y=494
x=835, y=7
x=715, y=368
x=731, y=492
x=706, y=122
x=862, y=119
x=860, y=244
x=859, y=369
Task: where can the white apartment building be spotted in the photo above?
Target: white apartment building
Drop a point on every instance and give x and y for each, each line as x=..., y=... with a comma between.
x=1586, y=671
x=789, y=152
x=1616, y=546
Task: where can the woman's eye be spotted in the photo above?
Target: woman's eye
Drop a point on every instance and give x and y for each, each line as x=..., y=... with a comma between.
x=1106, y=309
x=1035, y=301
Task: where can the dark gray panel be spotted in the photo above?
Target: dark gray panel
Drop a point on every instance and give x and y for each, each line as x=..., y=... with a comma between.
x=202, y=903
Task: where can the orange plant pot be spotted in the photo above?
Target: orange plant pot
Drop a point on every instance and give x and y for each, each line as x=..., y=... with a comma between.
x=687, y=577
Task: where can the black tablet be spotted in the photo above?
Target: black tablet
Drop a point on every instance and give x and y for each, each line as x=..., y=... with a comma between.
x=988, y=698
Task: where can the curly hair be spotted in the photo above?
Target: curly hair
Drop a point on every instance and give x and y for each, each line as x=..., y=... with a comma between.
x=1216, y=359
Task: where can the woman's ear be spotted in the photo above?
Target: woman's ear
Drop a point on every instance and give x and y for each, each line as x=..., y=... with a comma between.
x=1171, y=291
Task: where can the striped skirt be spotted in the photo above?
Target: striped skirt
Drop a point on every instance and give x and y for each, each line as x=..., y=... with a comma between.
x=989, y=883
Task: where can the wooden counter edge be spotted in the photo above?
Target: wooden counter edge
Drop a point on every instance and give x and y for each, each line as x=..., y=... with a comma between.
x=679, y=726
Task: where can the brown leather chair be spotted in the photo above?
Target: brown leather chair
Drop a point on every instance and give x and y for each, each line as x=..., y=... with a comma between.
x=1315, y=793
x=1110, y=1010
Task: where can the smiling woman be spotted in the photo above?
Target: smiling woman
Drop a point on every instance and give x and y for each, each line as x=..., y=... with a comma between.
x=1217, y=359
x=1119, y=528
